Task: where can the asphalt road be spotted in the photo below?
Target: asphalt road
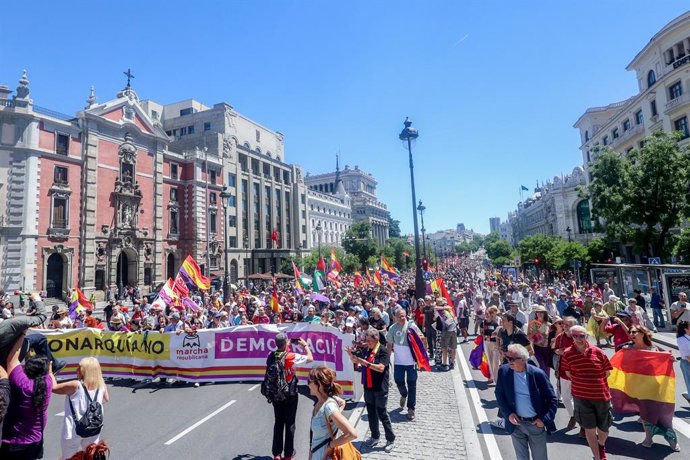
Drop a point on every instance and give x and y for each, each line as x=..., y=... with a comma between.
x=220, y=421
x=624, y=436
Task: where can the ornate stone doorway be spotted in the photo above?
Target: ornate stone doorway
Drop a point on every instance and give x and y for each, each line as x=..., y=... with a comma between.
x=55, y=275
x=126, y=273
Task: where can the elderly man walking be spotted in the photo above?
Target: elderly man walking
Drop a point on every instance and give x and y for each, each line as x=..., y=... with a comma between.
x=588, y=369
x=528, y=404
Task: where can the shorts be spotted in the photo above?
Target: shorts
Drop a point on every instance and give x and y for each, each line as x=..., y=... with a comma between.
x=464, y=323
x=593, y=414
x=449, y=339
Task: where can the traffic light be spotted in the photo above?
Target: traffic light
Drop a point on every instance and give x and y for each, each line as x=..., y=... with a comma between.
x=425, y=264
x=536, y=261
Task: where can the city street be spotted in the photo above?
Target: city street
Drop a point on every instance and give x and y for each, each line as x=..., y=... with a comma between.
x=220, y=421
x=625, y=435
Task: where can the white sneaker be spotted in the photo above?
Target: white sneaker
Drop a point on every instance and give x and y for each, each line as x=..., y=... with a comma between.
x=499, y=423
x=371, y=442
x=389, y=447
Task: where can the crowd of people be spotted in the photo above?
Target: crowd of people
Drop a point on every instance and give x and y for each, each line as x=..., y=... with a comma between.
x=543, y=341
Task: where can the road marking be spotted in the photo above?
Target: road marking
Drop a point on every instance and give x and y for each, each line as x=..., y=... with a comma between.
x=683, y=427
x=489, y=437
x=254, y=387
x=473, y=446
x=208, y=417
x=59, y=414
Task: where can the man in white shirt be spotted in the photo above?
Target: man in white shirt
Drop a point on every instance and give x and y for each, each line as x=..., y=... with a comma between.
x=679, y=309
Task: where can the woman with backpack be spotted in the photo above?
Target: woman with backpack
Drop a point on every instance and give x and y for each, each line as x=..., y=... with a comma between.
x=83, y=407
x=30, y=386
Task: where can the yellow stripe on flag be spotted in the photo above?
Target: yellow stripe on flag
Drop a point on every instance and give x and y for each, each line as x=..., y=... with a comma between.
x=659, y=388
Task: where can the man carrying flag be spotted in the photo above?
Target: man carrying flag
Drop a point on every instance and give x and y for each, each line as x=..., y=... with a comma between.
x=274, y=298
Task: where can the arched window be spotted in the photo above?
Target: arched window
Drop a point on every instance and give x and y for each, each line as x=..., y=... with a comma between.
x=651, y=78
x=584, y=218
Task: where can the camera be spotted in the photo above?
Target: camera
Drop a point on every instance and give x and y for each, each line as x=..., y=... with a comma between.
x=295, y=340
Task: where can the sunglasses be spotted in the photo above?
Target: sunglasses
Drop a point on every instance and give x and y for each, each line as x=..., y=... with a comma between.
x=579, y=336
x=512, y=359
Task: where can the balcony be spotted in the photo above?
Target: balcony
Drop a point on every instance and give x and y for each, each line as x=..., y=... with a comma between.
x=677, y=103
x=4, y=222
x=58, y=229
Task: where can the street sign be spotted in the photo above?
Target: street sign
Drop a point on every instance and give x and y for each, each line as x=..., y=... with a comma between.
x=654, y=260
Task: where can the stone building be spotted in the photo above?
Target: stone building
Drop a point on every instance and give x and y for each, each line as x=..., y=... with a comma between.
x=124, y=190
x=361, y=187
x=555, y=209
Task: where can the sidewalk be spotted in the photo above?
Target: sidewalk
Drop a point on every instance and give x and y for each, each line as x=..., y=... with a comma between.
x=435, y=433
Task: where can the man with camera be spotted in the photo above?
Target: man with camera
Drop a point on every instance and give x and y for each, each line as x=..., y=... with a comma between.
x=280, y=388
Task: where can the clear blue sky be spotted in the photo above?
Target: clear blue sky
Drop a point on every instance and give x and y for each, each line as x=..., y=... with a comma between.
x=494, y=87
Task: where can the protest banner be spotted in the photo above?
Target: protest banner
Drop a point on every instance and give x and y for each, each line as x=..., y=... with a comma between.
x=209, y=355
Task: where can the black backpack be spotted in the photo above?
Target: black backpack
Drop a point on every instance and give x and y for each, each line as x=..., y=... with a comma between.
x=275, y=387
x=91, y=423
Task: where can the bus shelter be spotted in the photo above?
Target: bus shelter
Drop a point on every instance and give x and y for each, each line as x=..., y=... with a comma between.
x=669, y=280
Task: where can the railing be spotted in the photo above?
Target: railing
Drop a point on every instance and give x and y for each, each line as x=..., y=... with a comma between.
x=4, y=221
x=59, y=224
x=52, y=113
x=6, y=103
x=675, y=103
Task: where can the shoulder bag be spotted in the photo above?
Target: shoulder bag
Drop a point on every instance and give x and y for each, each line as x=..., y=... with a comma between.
x=344, y=452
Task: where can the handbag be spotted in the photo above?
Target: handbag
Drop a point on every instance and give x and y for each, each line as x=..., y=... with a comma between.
x=344, y=452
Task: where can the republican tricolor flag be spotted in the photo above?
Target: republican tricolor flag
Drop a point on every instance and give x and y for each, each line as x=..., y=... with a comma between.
x=78, y=303
x=192, y=273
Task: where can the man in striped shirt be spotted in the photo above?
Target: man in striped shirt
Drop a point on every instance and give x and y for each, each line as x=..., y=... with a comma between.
x=588, y=368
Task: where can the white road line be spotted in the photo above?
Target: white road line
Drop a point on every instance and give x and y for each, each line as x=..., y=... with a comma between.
x=683, y=427
x=59, y=414
x=208, y=417
x=254, y=387
x=489, y=438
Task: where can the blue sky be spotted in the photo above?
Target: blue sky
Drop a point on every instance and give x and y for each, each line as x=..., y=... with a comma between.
x=494, y=87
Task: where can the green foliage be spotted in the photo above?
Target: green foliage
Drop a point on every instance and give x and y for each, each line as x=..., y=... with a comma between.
x=681, y=247
x=467, y=247
x=358, y=241
x=563, y=253
x=394, y=252
x=536, y=247
x=393, y=227
x=490, y=238
x=599, y=250
x=643, y=195
x=500, y=252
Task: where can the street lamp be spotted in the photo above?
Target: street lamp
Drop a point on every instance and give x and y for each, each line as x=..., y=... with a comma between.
x=421, y=208
x=318, y=235
x=246, y=256
x=225, y=197
x=568, y=230
x=407, y=135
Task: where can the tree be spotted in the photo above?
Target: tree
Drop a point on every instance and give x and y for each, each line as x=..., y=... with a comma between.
x=643, y=195
x=393, y=250
x=535, y=248
x=682, y=245
x=563, y=253
x=393, y=227
x=599, y=250
x=470, y=246
x=500, y=252
x=490, y=238
x=358, y=242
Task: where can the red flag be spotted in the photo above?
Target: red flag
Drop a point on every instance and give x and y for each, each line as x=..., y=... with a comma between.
x=180, y=287
x=321, y=266
x=274, y=298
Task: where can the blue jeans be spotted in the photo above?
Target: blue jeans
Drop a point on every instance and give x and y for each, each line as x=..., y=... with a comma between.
x=401, y=374
x=685, y=369
x=658, y=317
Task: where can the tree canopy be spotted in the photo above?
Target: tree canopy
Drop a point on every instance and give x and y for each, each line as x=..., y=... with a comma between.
x=358, y=242
x=393, y=227
x=641, y=196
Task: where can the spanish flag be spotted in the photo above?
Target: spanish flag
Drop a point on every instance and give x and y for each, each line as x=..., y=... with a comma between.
x=192, y=273
x=275, y=306
x=644, y=382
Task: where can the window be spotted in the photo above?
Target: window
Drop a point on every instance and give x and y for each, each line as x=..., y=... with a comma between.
x=173, y=194
x=584, y=219
x=232, y=221
x=675, y=90
x=212, y=198
x=681, y=125
x=154, y=114
x=651, y=78
x=187, y=111
x=652, y=107
x=232, y=241
x=231, y=180
x=174, y=222
x=183, y=131
x=173, y=171
x=169, y=132
x=258, y=136
x=190, y=129
x=212, y=177
x=638, y=117
x=232, y=201
x=59, y=213
x=586, y=136
x=62, y=144
x=626, y=125
x=212, y=222
x=614, y=133
x=605, y=140
x=60, y=175
x=207, y=126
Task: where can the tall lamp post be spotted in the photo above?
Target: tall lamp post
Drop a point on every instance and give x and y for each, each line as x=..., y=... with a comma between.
x=407, y=135
x=225, y=197
x=246, y=256
x=568, y=230
x=421, y=208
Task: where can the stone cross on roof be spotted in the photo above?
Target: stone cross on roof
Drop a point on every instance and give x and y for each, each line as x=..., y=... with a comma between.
x=129, y=77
